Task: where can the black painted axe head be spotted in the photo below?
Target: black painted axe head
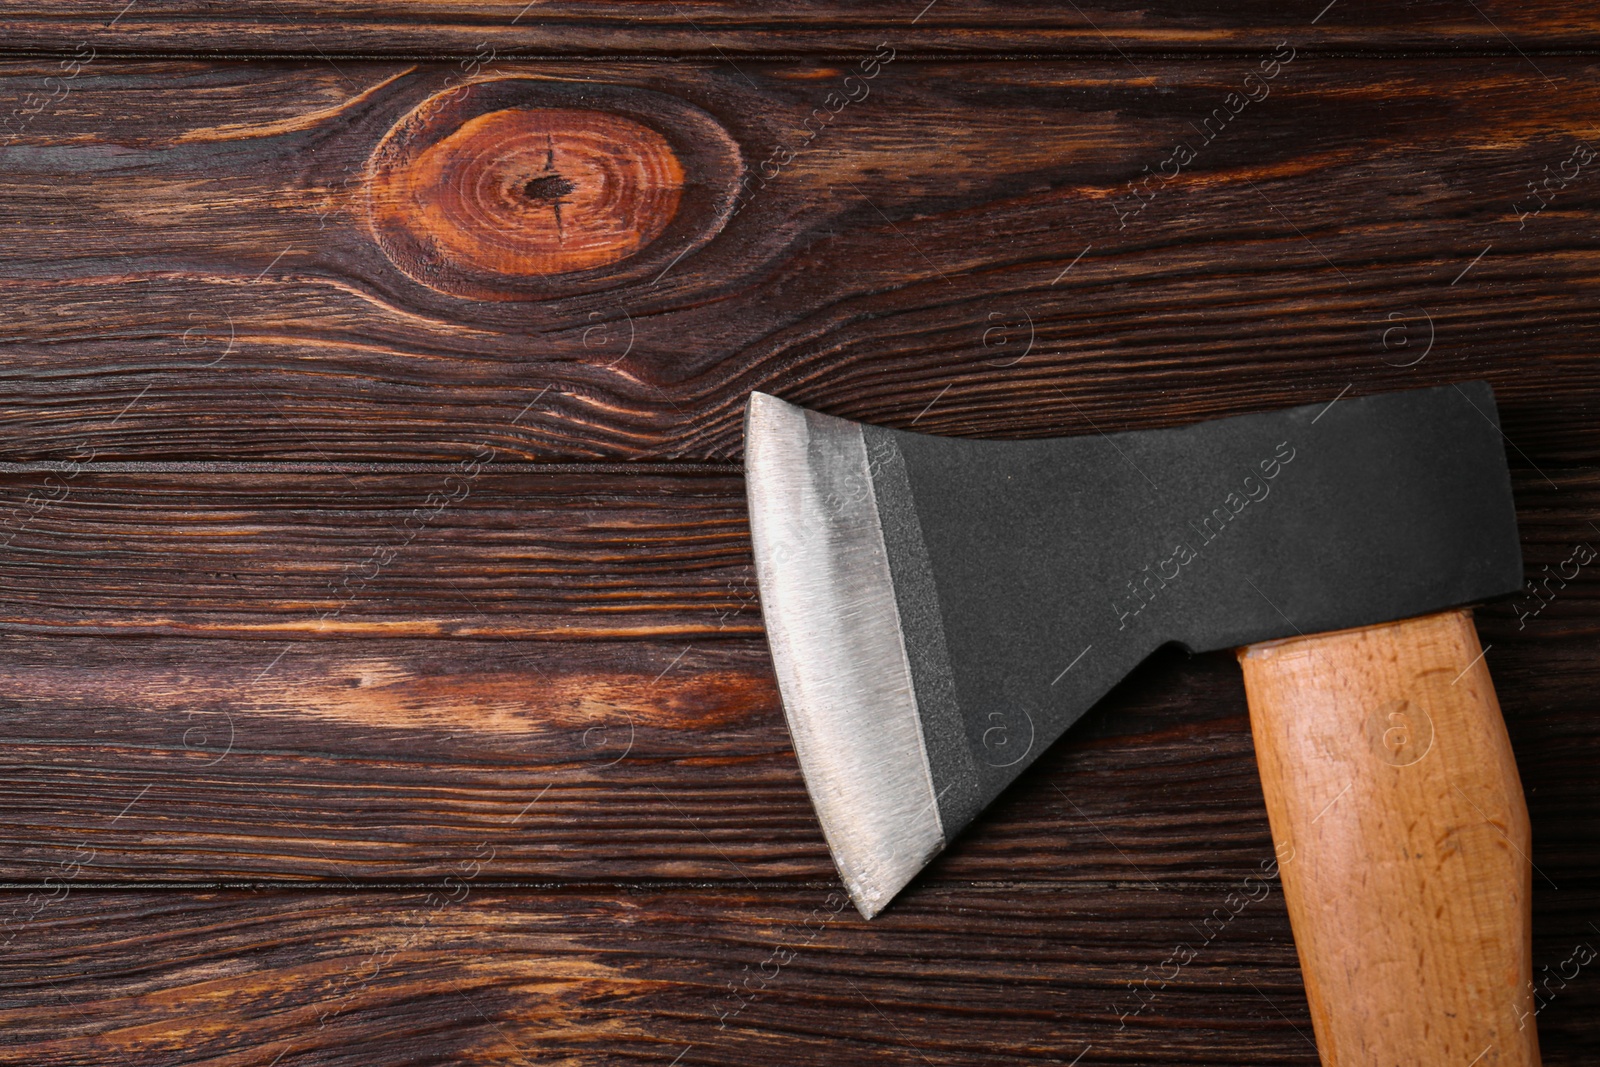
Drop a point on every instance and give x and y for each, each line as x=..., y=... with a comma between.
x=941, y=609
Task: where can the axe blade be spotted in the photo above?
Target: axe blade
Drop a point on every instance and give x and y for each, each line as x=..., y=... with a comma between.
x=940, y=610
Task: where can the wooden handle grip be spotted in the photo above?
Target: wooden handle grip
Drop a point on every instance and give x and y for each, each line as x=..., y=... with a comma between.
x=1403, y=842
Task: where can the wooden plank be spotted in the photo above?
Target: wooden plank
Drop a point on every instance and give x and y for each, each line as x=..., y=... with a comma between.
x=363, y=759
x=713, y=27
x=971, y=248
x=477, y=549
x=200, y=760
x=999, y=975
x=495, y=551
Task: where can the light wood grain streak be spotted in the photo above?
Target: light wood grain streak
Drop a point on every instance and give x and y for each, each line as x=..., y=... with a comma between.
x=375, y=759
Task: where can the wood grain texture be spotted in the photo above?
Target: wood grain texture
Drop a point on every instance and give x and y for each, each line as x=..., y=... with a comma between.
x=725, y=27
x=477, y=549
x=486, y=550
x=494, y=189
x=542, y=711
x=580, y=977
x=350, y=760
x=726, y=976
x=1403, y=841
x=976, y=248
x=367, y=760
x=213, y=634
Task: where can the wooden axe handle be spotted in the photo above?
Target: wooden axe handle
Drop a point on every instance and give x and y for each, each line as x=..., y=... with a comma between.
x=1403, y=842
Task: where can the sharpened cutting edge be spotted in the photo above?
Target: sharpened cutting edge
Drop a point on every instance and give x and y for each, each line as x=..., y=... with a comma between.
x=837, y=647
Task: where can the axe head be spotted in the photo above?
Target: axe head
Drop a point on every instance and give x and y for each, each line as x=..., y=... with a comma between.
x=940, y=610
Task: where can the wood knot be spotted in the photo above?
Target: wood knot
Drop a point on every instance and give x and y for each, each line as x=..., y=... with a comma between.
x=495, y=190
x=551, y=187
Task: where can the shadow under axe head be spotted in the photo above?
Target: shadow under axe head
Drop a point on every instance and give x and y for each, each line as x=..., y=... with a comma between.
x=940, y=610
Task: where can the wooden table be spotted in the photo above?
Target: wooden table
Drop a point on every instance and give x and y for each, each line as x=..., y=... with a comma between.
x=381, y=670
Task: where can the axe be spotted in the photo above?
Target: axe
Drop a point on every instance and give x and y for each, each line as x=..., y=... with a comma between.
x=940, y=610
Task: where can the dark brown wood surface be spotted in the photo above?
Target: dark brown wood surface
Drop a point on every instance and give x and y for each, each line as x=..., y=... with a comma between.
x=212, y=288
x=222, y=646
x=719, y=28
x=381, y=675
